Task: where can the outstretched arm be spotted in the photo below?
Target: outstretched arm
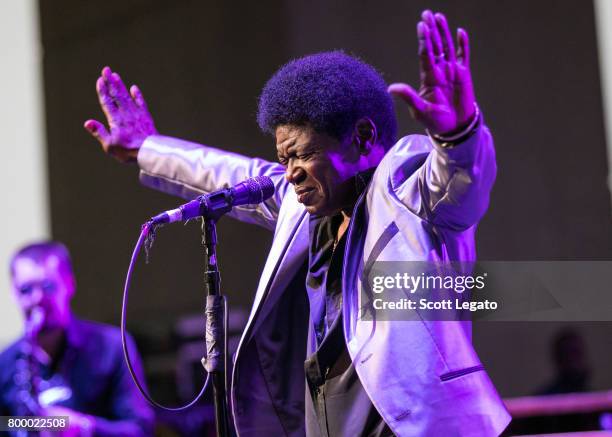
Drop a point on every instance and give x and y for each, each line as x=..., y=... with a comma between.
x=452, y=187
x=175, y=166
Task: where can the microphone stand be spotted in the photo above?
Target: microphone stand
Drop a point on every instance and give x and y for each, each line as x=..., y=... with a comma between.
x=216, y=340
x=211, y=207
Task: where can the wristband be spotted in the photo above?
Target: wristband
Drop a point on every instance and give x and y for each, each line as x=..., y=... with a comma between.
x=447, y=141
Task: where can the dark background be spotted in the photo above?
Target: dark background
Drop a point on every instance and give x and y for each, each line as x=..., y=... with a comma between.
x=201, y=66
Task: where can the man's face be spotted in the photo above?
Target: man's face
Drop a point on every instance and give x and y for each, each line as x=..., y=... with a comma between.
x=46, y=285
x=320, y=167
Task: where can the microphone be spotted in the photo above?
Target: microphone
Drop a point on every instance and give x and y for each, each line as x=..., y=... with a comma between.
x=214, y=205
x=34, y=322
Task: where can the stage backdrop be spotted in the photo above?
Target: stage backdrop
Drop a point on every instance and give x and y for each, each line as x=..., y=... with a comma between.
x=201, y=66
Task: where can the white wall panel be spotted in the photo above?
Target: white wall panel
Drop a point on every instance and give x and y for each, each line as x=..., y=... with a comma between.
x=603, y=18
x=24, y=215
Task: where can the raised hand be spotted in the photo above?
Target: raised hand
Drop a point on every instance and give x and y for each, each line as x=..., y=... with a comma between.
x=445, y=101
x=129, y=120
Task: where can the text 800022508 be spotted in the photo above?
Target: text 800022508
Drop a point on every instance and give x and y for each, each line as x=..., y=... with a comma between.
x=33, y=423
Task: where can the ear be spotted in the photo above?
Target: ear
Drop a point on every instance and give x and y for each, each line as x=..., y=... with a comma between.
x=365, y=135
x=70, y=282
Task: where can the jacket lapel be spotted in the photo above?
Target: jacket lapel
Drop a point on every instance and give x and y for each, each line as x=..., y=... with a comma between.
x=353, y=256
x=289, y=248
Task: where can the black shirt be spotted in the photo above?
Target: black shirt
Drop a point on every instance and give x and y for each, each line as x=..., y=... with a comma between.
x=336, y=402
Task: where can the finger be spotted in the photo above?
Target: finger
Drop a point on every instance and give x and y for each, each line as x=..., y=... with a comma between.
x=106, y=72
x=426, y=58
x=98, y=130
x=429, y=19
x=117, y=88
x=418, y=106
x=108, y=104
x=447, y=38
x=463, y=54
x=104, y=84
x=138, y=98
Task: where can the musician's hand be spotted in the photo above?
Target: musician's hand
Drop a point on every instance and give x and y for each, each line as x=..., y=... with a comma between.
x=444, y=103
x=79, y=424
x=129, y=120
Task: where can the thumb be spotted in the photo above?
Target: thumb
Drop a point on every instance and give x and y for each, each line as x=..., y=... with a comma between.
x=418, y=106
x=99, y=132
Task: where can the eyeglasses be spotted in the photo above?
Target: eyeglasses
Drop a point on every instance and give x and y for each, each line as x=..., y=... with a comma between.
x=47, y=287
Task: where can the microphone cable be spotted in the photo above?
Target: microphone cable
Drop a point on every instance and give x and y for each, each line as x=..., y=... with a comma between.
x=147, y=230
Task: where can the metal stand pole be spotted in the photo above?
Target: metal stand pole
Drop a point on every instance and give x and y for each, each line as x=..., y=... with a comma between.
x=216, y=341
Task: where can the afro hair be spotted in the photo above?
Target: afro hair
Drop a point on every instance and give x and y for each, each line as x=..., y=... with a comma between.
x=329, y=91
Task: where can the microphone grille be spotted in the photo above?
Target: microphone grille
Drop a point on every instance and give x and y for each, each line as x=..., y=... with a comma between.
x=260, y=188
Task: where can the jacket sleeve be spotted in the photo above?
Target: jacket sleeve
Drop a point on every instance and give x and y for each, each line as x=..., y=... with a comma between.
x=188, y=169
x=451, y=188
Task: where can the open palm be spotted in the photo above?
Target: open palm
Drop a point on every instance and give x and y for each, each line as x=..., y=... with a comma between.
x=127, y=115
x=444, y=103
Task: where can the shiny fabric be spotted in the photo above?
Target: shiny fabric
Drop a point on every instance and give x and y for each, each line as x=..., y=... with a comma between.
x=324, y=279
x=336, y=404
x=423, y=204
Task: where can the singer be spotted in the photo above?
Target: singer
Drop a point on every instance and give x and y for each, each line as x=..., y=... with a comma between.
x=347, y=194
x=65, y=366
